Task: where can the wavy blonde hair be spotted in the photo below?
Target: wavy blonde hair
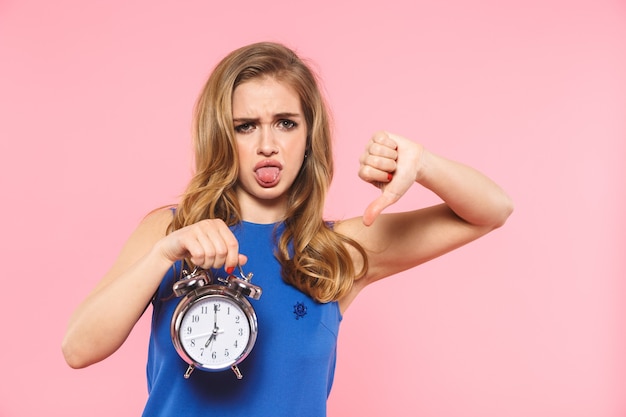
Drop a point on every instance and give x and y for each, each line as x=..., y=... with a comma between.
x=314, y=258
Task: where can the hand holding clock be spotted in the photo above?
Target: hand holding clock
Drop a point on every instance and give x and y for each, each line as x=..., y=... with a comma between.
x=208, y=244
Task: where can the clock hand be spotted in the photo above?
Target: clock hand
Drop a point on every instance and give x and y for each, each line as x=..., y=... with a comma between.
x=211, y=338
x=216, y=329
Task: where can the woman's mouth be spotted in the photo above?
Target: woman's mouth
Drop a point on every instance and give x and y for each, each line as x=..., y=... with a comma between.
x=267, y=173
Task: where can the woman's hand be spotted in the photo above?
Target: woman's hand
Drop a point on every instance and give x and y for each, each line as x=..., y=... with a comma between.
x=391, y=163
x=208, y=244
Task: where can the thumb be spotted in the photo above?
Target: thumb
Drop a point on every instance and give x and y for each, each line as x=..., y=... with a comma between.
x=376, y=207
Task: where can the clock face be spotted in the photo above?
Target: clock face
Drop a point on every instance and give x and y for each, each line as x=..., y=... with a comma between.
x=215, y=332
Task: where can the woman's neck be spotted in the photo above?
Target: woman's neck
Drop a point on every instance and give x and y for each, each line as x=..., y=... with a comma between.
x=263, y=211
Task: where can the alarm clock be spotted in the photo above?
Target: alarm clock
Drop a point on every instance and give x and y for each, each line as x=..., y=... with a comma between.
x=214, y=326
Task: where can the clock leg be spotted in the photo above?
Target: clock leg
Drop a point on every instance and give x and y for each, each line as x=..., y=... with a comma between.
x=189, y=371
x=237, y=372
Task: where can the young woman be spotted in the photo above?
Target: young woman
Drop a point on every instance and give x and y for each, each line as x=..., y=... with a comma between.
x=263, y=168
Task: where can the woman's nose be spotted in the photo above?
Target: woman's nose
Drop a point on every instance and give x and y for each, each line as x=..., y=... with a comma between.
x=267, y=141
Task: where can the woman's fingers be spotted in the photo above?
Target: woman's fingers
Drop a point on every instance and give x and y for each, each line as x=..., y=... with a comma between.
x=208, y=244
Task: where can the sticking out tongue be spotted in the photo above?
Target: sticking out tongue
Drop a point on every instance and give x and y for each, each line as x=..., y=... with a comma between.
x=267, y=175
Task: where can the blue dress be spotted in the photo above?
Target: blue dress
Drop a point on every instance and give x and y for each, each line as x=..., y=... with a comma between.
x=288, y=373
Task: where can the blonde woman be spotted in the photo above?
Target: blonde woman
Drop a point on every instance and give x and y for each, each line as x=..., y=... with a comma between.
x=263, y=168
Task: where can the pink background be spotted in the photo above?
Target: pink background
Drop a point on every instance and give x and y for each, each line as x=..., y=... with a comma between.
x=95, y=106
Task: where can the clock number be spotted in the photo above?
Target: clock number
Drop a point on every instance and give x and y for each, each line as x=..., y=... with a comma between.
x=195, y=318
x=189, y=330
x=214, y=355
x=240, y=332
x=226, y=352
x=237, y=318
x=204, y=310
x=236, y=343
x=193, y=342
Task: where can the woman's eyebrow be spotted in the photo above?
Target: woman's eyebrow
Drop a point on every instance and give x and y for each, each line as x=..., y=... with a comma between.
x=282, y=115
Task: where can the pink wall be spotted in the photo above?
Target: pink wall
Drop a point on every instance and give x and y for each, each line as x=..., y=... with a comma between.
x=95, y=104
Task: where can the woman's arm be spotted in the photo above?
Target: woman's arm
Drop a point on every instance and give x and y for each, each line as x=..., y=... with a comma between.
x=103, y=321
x=473, y=205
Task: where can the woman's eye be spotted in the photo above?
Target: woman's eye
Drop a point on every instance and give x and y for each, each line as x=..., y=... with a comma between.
x=243, y=128
x=287, y=124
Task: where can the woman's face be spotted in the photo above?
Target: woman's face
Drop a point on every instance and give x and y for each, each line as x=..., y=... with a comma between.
x=270, y=134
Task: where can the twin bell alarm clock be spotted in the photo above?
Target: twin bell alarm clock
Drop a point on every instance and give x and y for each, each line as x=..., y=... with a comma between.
x=214, y=326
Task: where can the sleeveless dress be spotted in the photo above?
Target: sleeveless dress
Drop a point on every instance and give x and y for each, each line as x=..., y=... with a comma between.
x=288, y=373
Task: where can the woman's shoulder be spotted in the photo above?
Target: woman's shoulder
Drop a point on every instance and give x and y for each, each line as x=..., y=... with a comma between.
x=154, y=224
x=160, y=214
x=351, y=227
